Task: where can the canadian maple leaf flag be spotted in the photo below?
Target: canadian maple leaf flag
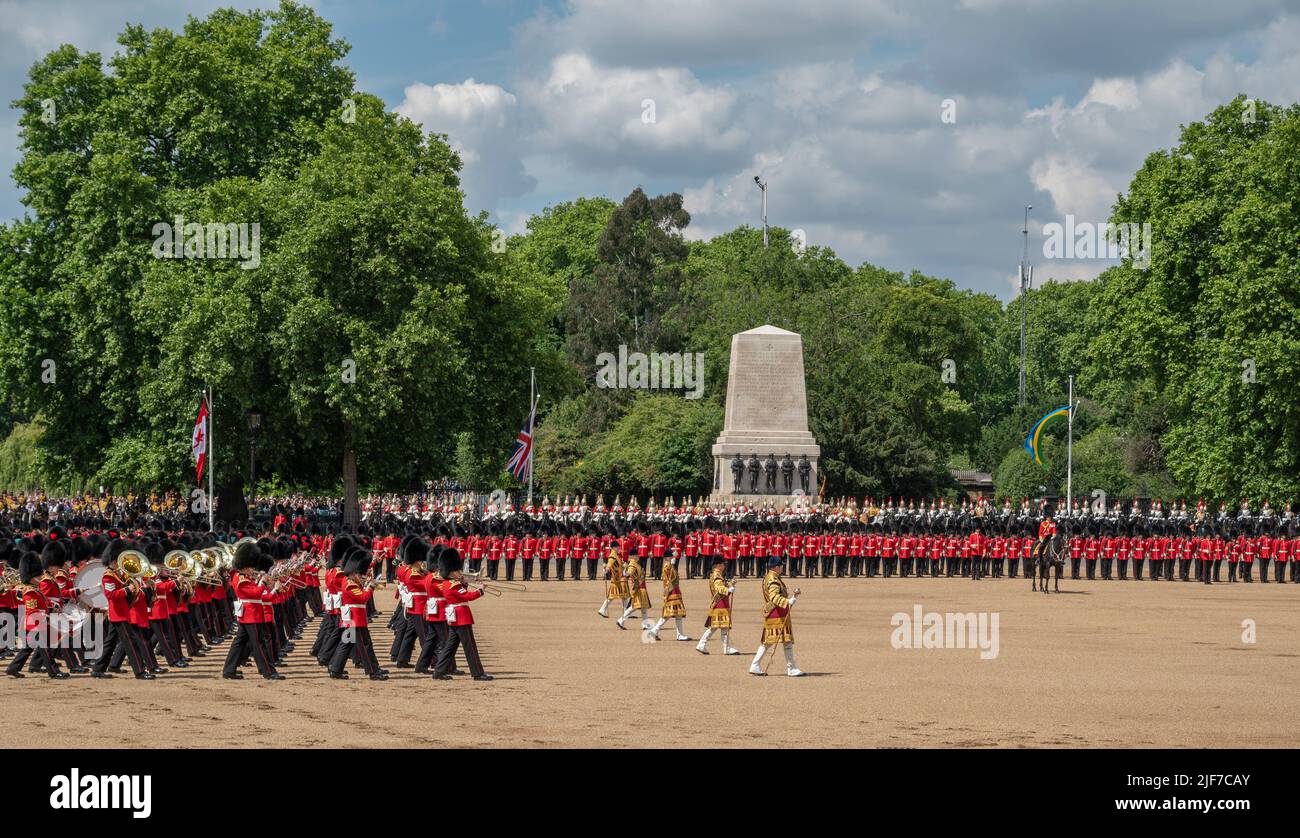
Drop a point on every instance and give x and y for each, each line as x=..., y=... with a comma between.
x=199, y=442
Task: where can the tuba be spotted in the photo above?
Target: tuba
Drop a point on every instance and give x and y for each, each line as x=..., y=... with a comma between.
x=135, y=565
x=176, y=561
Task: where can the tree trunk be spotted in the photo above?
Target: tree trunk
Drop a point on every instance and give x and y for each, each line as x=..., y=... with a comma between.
x=351, y=509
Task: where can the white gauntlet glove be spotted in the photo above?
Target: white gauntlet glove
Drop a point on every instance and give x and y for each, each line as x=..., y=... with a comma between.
x=731, y=590
x=792, y=602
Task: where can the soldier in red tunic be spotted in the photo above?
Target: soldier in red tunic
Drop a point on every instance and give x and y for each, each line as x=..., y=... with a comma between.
x=35, y=621
x=250, y=594
x=414, y=553
x=354, y=634
x=460, y=620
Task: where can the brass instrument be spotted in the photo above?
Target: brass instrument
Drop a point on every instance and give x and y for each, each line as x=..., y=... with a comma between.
x=209, y=564
x=495, y=587
x=10, y=579
x=286, y=570
x=176, y=560
x=135, y=566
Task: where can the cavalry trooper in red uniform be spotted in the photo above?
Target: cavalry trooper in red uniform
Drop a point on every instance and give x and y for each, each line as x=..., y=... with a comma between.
x=354, y=631
x=460, y=620
x=249, y=594
x=35, y=621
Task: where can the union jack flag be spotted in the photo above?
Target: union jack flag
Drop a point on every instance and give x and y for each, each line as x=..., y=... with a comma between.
x=521, y=459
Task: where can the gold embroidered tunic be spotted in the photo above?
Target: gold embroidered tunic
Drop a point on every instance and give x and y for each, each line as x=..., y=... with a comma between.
x=636, y=584
x=673, y=604
x=720, y=607
x=616, y=587
x=776, y=607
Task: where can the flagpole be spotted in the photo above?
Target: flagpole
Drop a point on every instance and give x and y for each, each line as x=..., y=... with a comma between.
x=1069, y=452
x=532, y=406
x=211, y=450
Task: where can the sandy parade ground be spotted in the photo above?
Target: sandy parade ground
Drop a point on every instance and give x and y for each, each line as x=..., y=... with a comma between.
x=1103, y=664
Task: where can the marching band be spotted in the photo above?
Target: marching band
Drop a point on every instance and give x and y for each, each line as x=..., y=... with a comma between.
x=174, y=595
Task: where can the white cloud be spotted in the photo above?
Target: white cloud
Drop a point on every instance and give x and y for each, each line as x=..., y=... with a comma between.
x=482, y=123
x=653, y=33
x=605, y=116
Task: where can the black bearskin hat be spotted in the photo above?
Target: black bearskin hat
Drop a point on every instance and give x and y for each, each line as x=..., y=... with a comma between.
x=246, y=556
x=342, y=544
x=54, y=554
x=357, y=561
x=449, y=561
x=29, y=567
x=417, y=551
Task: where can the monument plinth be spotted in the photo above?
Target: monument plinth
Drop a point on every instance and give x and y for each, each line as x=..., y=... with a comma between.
x=766, y=419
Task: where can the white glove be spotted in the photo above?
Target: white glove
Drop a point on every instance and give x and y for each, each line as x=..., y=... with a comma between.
x=792, y=601
x=731, y=590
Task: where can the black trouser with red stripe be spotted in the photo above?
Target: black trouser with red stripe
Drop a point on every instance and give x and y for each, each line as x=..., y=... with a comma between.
x=250, y=639
x=415, y=627
x=137, y=642
x=43, y=657
x=327, y=639
x=118, y=641
x=399, y=625
x=183, y=630
x=435, y=637
x=354, y=642
x=11, y=616
x=462, y=636
x=163, y=639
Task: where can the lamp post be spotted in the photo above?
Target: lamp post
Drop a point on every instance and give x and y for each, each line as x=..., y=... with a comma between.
x=254, y=426
x=762, y=185
x=1026, y=278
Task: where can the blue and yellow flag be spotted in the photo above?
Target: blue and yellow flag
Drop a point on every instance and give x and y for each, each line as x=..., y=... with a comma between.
x=1031, y=442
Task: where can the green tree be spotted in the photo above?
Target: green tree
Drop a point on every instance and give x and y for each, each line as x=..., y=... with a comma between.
x=660, y=446
x=358, y=326
x=1200, y=350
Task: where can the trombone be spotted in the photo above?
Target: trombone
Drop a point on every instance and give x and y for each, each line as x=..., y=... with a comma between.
x=495, y=587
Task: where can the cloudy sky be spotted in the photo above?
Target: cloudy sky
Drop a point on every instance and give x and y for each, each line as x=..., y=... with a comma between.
x=839, y=105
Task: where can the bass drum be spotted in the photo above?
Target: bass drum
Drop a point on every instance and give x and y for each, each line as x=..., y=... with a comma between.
x=90, y=580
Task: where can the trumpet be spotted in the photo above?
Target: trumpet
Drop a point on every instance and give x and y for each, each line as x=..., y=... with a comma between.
x=491, y=586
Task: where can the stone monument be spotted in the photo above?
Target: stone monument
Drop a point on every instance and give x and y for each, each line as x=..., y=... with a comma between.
x=767, y=416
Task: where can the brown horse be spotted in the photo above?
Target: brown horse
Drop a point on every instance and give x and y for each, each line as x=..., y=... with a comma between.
x=1047, y=555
